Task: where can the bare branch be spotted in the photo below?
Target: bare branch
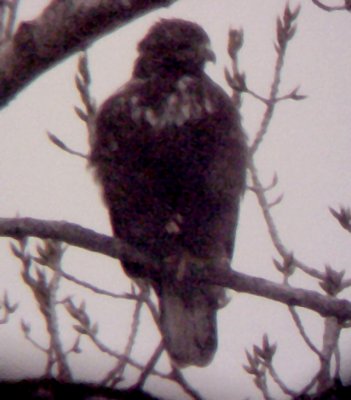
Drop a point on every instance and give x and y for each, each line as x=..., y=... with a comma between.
x=51, y=255
x=83, y=81
x=331, y=8
x=235, y=79
x=285, y=32
x=45, y=292
x=277, y=201
x=337, y=356
x=7, y=308
x=177, y=376
x=309, y=385
x=149, y=366
x=343, y=216
x=113, y=247
x=26, y=329
x=116, y=374
x=73, y=234
x=60, y=144
x=95, y=289
x=293, y=95
x=63, y=27
x=279, y=381
x=86, y=328
x=302, y=332
x=331, y=336
x=259, y=190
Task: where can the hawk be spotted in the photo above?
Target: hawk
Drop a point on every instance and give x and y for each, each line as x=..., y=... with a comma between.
x=170, y=155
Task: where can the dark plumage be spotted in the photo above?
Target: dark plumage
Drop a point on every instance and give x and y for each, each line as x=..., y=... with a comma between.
x=170, y=154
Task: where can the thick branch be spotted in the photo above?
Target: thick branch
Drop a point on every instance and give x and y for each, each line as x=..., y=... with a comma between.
x=64, y=26
x=72, y=234
x=85, y=238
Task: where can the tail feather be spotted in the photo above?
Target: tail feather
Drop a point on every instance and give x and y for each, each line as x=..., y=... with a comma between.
x=188, y=323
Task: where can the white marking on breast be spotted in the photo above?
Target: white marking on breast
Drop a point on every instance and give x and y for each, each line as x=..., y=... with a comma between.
x=173, y=225
x=209, y=105
x=151, y=117
x=178, y=107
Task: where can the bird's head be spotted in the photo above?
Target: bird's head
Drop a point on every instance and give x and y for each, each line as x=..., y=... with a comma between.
x=173, y=46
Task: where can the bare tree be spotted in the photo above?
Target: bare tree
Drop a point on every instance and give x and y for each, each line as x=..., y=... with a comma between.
x=65, y=27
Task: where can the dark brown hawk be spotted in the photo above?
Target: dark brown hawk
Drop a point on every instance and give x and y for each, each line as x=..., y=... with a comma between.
x=170, y=154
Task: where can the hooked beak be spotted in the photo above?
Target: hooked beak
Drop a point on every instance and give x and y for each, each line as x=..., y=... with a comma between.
x=208, y=53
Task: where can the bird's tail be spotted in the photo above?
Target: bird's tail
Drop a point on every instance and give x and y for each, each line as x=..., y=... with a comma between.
x=188, y=322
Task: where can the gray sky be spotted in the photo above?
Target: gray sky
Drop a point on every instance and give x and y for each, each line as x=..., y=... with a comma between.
x=308, y=146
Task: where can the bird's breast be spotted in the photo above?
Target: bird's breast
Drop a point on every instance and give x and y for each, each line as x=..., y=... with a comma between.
x=174, y=106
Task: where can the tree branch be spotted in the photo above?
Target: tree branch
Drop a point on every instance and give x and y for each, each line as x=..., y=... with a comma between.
x=72, y=234
x=63, y=27
x=331, y=8
x=88, y=239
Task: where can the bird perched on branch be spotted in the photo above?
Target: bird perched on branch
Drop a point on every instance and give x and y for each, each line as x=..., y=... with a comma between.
x=170, y=154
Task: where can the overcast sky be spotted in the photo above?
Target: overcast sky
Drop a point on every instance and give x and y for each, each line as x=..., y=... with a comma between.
x=308, y=146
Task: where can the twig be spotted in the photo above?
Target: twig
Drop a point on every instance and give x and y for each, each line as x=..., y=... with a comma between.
x=343, y=217
x=149, y=367
x=60, y=144
x=95, y=289
x=7, y=308
x=309, y=385
x=259, y=362
x=331, y=335
x=302, y=332
x=26, y=331
x=177, y=376
x=290, y=96
x=329, y=8
x=285, y=32
x=45, y=295
x=83, y=81
x=112, y=353
x=54, y=261
x=85, y=327
x=75, y=347
x=279, y=382
x=273, y=231
x=261, y=383
x=116, y=374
